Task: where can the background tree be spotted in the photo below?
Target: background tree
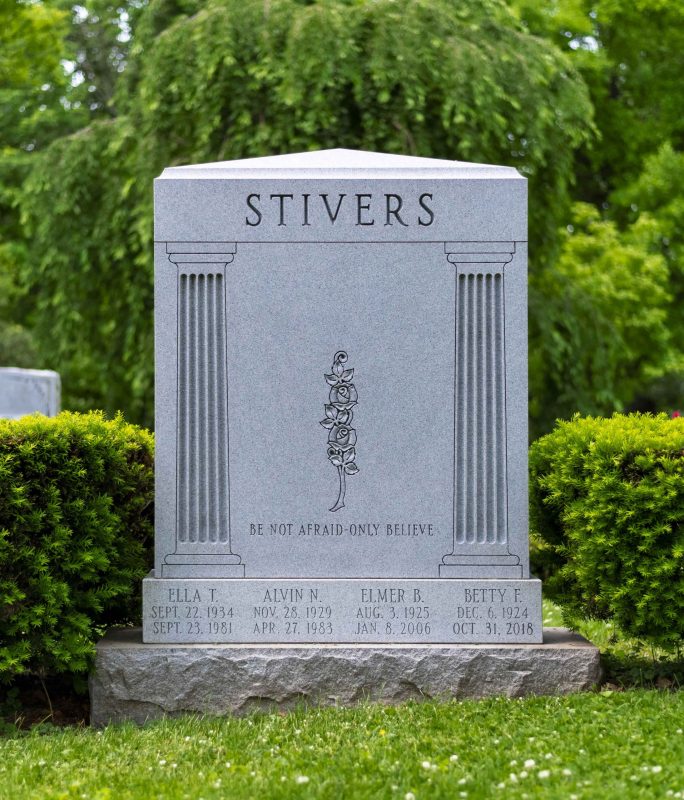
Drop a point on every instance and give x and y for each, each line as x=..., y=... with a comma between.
x=235, y=79
x=582, y=97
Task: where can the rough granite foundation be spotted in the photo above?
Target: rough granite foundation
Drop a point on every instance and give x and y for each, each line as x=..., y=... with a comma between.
x=140, y=682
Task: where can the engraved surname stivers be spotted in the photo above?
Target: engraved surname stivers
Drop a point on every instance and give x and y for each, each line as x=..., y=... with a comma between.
x=361, y=209
x=338, y=421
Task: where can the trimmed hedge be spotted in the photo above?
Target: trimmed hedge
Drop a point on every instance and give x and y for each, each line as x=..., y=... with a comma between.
x=607, y=501
x=76, y=535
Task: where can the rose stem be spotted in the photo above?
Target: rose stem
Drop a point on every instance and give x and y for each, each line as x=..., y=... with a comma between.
x=343, y=488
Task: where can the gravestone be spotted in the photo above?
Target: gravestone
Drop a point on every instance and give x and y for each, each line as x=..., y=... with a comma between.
x=341, y=403
x=27, y=391
x=341, y=442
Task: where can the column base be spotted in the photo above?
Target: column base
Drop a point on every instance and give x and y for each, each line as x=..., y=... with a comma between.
x=193, y=565
x=505, y=565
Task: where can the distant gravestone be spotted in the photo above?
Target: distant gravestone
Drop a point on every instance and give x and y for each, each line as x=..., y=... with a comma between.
x=27, y=391
x=341, y=403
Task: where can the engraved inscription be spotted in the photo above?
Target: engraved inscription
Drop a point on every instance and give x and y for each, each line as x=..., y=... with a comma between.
x=364, y=209
x=343, y=610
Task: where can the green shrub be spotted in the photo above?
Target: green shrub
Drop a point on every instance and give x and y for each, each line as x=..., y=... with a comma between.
x=607, y=501
x=76, y=530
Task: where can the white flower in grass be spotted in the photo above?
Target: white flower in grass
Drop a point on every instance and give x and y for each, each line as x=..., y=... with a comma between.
x=500, y=785
x=453, y=758
x=409, y=796
x=529, y=763
x=461, y=781
x=227, y=764
x=301, y=779
x=513, y=777
x=679, y=730
x=523, y=774
x=657, y=768
x=543, y=773
x=567, y=771
x=425, y=764
x=162, y=762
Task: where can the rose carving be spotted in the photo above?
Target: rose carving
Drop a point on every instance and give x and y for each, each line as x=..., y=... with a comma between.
x=338, y=420
x=343, y=395
x=342, y=436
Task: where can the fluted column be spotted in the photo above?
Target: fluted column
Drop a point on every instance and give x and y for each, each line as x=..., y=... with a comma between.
x=203, y=540
x=480, y=516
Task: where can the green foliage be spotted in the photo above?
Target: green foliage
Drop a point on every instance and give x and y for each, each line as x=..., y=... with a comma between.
x=438, y=78
x=657, y=195
x=90, y=272
x=76, y=496
x=607, y=501
x=600, y=325
x=629, y=53
x=28, y=29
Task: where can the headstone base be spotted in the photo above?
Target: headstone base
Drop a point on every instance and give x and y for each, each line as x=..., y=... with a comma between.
x=319, y=611
x=140, y=682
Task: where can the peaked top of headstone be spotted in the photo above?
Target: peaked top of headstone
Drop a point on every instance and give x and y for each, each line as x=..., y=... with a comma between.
x=339, y=163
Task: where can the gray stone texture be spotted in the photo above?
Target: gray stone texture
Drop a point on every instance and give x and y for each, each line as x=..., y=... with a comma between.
x=415, y=270
x=140, y=682
x=341, y=387
x=28, y=391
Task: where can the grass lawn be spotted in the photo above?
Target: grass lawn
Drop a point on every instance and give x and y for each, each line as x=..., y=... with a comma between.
x=609, y=745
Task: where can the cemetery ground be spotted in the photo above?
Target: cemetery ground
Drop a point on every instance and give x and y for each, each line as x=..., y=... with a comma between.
x=626, y=739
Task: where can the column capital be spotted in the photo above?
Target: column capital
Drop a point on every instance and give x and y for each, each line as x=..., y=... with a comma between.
x=201, y=252
x=470, y=256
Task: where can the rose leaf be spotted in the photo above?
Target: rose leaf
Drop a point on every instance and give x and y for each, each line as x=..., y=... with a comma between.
x=351, y=469
x=327, y=423
x=331, y=380
x=336, y=460
x=348, y=374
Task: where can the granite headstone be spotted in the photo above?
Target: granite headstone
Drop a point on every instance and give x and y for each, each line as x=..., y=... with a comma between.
x=27, y=391
x=341, y=403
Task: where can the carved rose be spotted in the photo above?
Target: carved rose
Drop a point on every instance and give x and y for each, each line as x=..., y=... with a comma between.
x=343, y=394
x=342, y=436
x=338, y=421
